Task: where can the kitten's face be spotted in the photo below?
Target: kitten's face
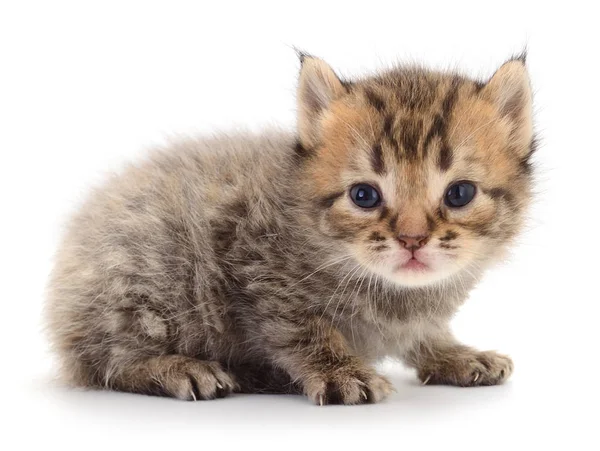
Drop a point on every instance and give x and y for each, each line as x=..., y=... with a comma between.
x=421, y=176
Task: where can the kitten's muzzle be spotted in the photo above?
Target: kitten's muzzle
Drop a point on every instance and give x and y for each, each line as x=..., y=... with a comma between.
x=413, y=243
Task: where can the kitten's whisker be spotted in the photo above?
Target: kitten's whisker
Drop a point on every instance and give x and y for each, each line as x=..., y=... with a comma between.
x=357, y=287
x=321, y=268
x=335, y=291
x=475, y=131
x=356, y=133
x=341, y=296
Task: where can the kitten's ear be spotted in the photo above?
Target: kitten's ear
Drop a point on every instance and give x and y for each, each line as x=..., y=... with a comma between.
x=317, y=88
x=510, y=90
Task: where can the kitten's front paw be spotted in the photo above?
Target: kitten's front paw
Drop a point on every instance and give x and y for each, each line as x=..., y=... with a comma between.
x=347, y=384
x=466, y=369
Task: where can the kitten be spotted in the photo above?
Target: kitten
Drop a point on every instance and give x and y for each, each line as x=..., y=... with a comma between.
x=290, y=263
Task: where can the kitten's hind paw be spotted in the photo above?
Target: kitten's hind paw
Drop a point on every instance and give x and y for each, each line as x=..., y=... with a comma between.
x=179, y=377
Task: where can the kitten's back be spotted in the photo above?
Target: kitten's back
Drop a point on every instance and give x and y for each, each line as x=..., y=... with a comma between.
x=143, y=234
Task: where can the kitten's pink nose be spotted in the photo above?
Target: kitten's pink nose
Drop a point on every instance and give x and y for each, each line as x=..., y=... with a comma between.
x=412, y=243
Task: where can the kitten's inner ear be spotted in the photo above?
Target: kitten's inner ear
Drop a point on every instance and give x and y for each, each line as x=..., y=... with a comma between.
x=317, y=88
x=510, y=90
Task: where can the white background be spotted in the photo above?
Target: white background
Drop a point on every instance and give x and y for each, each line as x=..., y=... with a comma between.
x=85, y=86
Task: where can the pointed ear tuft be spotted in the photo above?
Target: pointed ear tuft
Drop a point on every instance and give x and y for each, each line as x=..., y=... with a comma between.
x=521, y=56
x=301, y=54
x=317, y=88
x=510, y=91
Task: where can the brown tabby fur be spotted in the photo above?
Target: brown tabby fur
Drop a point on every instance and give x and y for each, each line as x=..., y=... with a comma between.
x=240, y=263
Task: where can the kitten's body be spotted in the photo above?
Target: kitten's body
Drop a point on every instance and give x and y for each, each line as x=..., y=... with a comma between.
x=218, y=265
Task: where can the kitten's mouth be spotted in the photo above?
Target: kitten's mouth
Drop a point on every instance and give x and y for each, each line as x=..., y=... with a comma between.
x=414, y=265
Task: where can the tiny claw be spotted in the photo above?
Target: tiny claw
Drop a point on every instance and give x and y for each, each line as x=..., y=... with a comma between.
x=193, y=395
x=364, y=394
x=219, y=386
x=320, y=400
x=476, y=377
x=426, y=380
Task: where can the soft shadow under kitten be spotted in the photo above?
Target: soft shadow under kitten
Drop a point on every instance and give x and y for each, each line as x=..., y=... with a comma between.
x=291, y=262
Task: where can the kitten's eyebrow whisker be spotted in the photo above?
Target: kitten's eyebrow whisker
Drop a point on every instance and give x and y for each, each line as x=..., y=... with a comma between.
x=475, y=131
x=356, y=133
x=371, y=126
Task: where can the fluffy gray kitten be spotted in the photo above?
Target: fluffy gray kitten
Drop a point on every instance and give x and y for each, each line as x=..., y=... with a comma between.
x=290, y=262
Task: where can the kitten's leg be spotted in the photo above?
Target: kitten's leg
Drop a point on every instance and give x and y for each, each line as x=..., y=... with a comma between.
x=177, y=376
x=133, y=349
x=440, y=359
x=317, y=358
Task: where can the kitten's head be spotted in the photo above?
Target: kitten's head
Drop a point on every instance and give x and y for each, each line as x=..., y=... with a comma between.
x=419, y=175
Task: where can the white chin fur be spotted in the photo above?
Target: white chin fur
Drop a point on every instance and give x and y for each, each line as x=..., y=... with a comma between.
x=418, y=278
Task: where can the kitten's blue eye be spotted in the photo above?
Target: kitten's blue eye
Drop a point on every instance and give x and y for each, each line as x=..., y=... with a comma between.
x=459, y=194
x=365, y=196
